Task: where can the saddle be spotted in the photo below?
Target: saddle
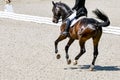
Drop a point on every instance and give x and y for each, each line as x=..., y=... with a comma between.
x=76, y=20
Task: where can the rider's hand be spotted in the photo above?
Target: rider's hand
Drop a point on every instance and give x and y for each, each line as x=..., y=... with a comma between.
x=73, y=10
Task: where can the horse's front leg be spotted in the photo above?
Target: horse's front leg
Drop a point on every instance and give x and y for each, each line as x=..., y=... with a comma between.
x=60, y=38
x=66, y=50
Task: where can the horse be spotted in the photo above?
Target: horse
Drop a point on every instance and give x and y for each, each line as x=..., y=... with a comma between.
x=82, y=31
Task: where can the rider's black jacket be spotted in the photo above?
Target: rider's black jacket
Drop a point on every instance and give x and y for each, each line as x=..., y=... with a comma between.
x=80, y=8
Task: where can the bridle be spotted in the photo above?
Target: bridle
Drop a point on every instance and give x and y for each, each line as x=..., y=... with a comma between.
x=58, y=15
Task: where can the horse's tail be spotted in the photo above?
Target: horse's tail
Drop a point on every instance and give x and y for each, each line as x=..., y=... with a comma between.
x=100, y=15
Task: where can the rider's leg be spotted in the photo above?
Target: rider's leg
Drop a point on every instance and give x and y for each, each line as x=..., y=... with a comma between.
x=68, y=22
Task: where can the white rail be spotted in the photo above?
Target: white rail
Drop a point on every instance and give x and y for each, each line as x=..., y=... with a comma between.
x=46, y=20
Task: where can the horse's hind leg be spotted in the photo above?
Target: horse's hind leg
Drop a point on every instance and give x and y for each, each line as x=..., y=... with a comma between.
x=60, y=38
x=95, y=53
x=66, y=50
x=82, y=51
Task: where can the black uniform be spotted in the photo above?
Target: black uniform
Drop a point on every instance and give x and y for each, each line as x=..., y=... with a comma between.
x=80, y=8
x=81, y=11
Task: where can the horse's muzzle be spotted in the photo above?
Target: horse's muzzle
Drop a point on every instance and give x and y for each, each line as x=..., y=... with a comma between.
x=55, y=21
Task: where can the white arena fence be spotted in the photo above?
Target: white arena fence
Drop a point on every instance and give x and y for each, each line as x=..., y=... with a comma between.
x=46, y=20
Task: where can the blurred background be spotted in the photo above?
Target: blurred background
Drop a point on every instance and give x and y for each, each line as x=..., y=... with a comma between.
x=43, y=7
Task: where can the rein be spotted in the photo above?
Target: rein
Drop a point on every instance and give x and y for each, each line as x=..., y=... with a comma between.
x=66, y=11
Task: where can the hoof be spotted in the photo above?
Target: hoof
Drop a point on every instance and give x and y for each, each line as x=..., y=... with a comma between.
x=56, y=51
x=75, y=62
x=91, y=68
x=68, y=61
x=58, y=56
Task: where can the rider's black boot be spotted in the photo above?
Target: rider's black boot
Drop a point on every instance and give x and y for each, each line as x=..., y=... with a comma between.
x=66, y=32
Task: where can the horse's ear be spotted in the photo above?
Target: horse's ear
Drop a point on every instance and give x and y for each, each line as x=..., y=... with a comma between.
x=53, y=3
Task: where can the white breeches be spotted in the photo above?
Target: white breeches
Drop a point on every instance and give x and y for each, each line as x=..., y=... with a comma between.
x=72, y=16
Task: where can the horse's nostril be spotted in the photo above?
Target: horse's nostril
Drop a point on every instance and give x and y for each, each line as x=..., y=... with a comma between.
x=56, y=21
x=53, y=21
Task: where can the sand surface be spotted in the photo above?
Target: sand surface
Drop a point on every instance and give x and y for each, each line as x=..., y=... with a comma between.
x=27, y=49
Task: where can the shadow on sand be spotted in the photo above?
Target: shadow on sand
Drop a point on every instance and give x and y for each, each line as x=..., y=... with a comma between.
x=96, y=68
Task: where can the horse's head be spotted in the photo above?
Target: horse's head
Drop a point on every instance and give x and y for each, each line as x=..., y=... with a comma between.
x=56, y=12
x=60, y=10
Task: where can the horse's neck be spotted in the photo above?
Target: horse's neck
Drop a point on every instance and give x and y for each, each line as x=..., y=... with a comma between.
x=66, y=14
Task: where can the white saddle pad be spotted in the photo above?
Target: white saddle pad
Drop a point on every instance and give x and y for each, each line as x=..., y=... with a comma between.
x=76, y=20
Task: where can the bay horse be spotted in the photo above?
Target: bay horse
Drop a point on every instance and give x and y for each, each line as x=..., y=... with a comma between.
x=83, y=30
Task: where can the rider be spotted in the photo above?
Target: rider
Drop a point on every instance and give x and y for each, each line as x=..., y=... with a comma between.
x=80, y=10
